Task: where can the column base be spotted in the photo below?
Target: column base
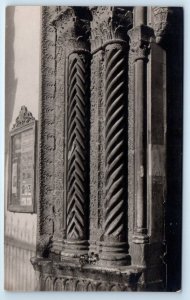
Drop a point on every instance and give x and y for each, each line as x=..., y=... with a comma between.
x=140, y=238
x=57, y=246
x=73, y=250
x=114, y=254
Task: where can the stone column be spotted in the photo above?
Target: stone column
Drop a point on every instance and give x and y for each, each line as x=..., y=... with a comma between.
x=59, y=150
x=140, y=36
x=75, y=39
x=112, y=28
x=46, y=136
x=115, y=247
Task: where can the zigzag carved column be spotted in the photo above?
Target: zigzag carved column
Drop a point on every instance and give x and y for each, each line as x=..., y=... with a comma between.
x=75, y=33
x=115, y=22
x=77, y=181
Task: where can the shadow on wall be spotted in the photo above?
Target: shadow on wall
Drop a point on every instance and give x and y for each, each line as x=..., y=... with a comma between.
x=174, y=152
x=10, y=80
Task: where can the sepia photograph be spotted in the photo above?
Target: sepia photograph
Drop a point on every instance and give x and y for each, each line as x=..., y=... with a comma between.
x=93, y=148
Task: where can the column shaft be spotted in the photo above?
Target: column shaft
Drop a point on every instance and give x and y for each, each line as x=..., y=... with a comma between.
x=140, y=40
x=115, y=248
x=140, y=139
x=78, y=158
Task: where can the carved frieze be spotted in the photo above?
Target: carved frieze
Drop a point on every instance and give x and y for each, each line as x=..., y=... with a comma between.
x=64, y=277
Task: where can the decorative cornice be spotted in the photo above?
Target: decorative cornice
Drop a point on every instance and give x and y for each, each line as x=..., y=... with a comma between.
x=71, y=29
x=109, y=23
x=140, y=37
x=161, y=22
x=24, y=118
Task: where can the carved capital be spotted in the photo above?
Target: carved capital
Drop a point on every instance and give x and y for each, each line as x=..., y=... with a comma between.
x=72, y=30
x=140, y=37
x=161, y=23
x=109, y=23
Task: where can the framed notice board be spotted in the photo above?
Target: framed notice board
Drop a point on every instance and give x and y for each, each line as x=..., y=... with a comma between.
x=22, y=167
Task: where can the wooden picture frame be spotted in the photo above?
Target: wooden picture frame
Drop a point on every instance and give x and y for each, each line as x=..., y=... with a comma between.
x=22, y=164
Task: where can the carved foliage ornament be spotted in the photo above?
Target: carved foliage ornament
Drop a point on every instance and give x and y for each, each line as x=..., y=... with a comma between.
x=109, y=23
x=161, y=22
x=23, y=118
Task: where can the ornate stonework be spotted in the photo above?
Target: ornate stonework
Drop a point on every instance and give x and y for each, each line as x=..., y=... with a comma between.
x=85, y=278
x=24, y=118
x=98, y=157
x=47, y=134
x=140, y=37
x=109, y=23
x=161, y=24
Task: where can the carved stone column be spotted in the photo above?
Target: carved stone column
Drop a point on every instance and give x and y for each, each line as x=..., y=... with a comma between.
x=139, y=42
x=114, y=43
x=115, y=246
x=75, y=38
x=46, y=136
x=59, y=151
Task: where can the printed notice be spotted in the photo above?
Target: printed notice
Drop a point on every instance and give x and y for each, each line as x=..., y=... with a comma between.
x=22, y=168
x=26, y=171
x=14, y=178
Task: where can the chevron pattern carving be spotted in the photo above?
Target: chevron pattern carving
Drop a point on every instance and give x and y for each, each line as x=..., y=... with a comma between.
x=115, y=98
x=77, y=147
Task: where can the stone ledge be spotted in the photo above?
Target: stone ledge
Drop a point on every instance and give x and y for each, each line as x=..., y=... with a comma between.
x=99, y=278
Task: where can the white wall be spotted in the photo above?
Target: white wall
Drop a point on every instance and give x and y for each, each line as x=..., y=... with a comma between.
x=22, y=88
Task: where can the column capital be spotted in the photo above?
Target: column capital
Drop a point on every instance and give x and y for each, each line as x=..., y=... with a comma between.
x=140, y=37
x=109, y=23
x=71, y=29
x=161, y=22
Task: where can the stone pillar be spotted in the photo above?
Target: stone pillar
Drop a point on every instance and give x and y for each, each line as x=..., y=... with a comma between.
x=77, y=71
x=112, y=29
x=59, y=150
x=115, y=247
x=46, y=136
x=140, y=36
